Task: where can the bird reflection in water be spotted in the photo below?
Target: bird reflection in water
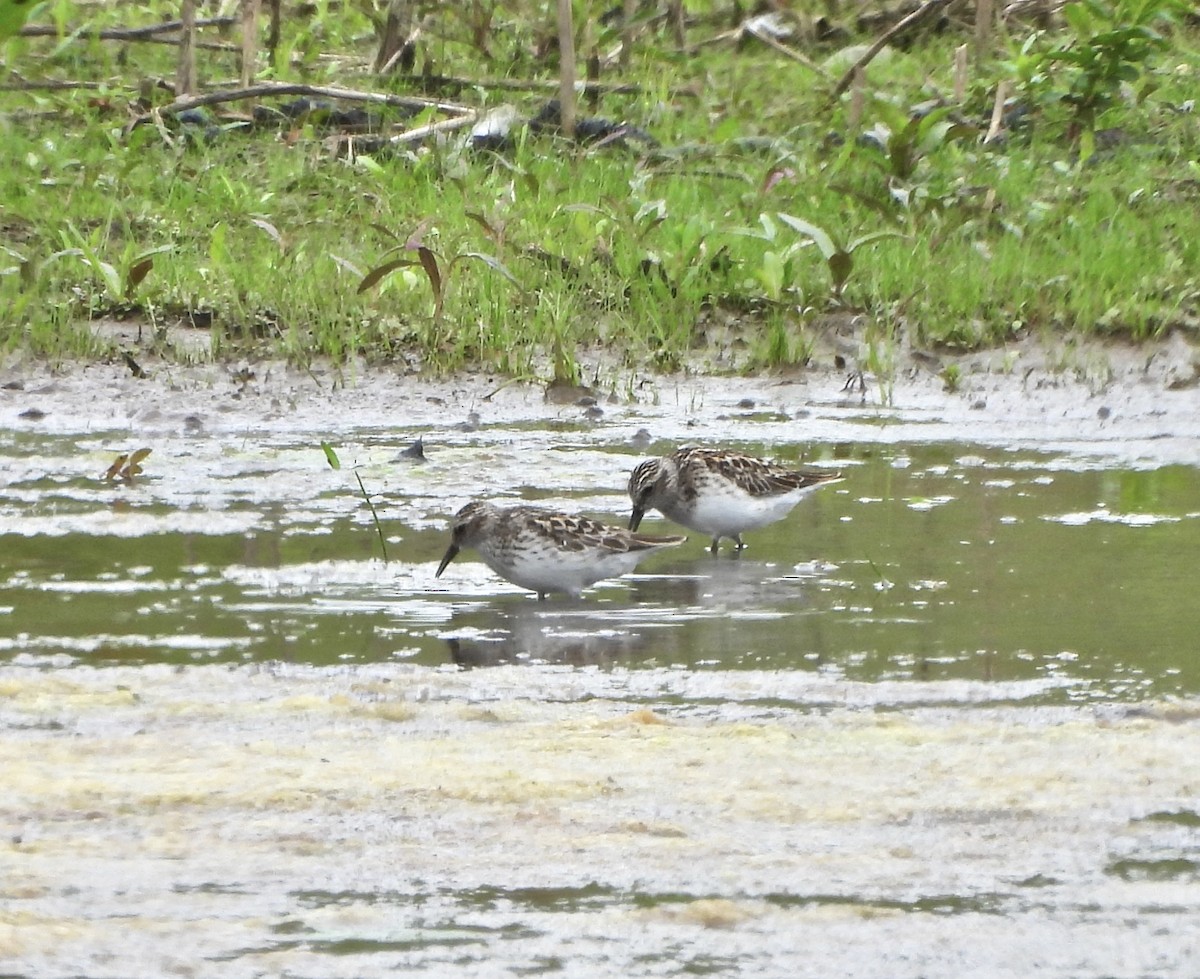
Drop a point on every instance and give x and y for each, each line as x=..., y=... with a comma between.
x=529, y=634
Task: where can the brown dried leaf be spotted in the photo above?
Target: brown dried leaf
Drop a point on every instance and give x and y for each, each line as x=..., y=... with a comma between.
x=387, y=268
x=118, y=464
x=137, y=272
x=430, y=264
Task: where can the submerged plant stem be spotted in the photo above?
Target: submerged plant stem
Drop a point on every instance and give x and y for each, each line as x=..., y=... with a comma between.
x=374, y=516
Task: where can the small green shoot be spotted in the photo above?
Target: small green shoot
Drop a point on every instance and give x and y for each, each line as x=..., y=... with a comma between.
x=951, y=376
x=331, y=457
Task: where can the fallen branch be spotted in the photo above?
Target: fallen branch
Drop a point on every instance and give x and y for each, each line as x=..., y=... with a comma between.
x=429, y=82
x=344, y=143
x=445, y=126
x=286, y=88
x=123, y=33
x=45, y=86
x=771, y=42
x=881, y=42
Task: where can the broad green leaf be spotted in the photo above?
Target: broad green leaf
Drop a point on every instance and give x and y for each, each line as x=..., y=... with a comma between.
x=385, y=231
x=493, y=263
x=112, y=278
x=13, y=14
x=218, y=252
x=370, y=164
x=817, y=234
x=1079, y=18
x=269, y=230
x=1087, y=145
x=771, y=273
x=331, y=456
x=873, y=236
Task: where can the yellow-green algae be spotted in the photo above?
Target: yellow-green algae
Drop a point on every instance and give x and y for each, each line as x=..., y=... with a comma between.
x=145, y=794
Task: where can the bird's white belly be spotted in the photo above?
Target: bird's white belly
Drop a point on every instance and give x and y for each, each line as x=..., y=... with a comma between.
x=730, y=513
x=554, y=570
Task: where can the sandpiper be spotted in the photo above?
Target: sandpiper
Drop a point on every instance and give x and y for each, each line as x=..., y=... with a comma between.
x=718, y=492
x=546, y=551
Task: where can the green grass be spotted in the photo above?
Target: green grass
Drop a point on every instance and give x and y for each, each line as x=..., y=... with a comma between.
x=552, y=252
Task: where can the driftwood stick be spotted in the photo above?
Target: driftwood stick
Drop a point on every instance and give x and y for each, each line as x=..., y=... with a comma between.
x=286, y=88
x=125, y=33
x=432, y=129
x=923, y=11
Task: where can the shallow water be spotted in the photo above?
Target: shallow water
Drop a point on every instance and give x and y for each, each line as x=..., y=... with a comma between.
x=943, y=720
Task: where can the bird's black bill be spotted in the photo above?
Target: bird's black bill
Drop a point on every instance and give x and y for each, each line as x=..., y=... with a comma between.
x=635, y=518
x=451, y=551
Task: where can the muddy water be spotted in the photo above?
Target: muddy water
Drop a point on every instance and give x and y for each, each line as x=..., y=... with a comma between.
x=943, y=720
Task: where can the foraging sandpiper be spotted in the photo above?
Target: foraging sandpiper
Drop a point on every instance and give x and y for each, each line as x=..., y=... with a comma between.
x=718, y=492
x=546, y=551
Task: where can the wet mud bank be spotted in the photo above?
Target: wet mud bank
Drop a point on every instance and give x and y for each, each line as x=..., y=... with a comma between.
x=1110, y=398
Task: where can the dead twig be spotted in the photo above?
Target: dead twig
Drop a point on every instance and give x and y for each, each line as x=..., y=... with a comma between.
x=923, y=11
x=433, y=82
x=45, y=86
x=421, y=132
x=287, y=88
x=997, y=123
x=760, y=35
x=149, y=33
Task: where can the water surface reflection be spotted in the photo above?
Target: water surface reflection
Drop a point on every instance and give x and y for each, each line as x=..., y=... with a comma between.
x=930, y=561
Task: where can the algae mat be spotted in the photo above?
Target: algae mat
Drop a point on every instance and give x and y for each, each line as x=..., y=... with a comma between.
x=365, y=821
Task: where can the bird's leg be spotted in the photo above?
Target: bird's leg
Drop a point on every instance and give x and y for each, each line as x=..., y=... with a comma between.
x=541, y=596
x=741, y=544
x=716, y=541
x=855, y=382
